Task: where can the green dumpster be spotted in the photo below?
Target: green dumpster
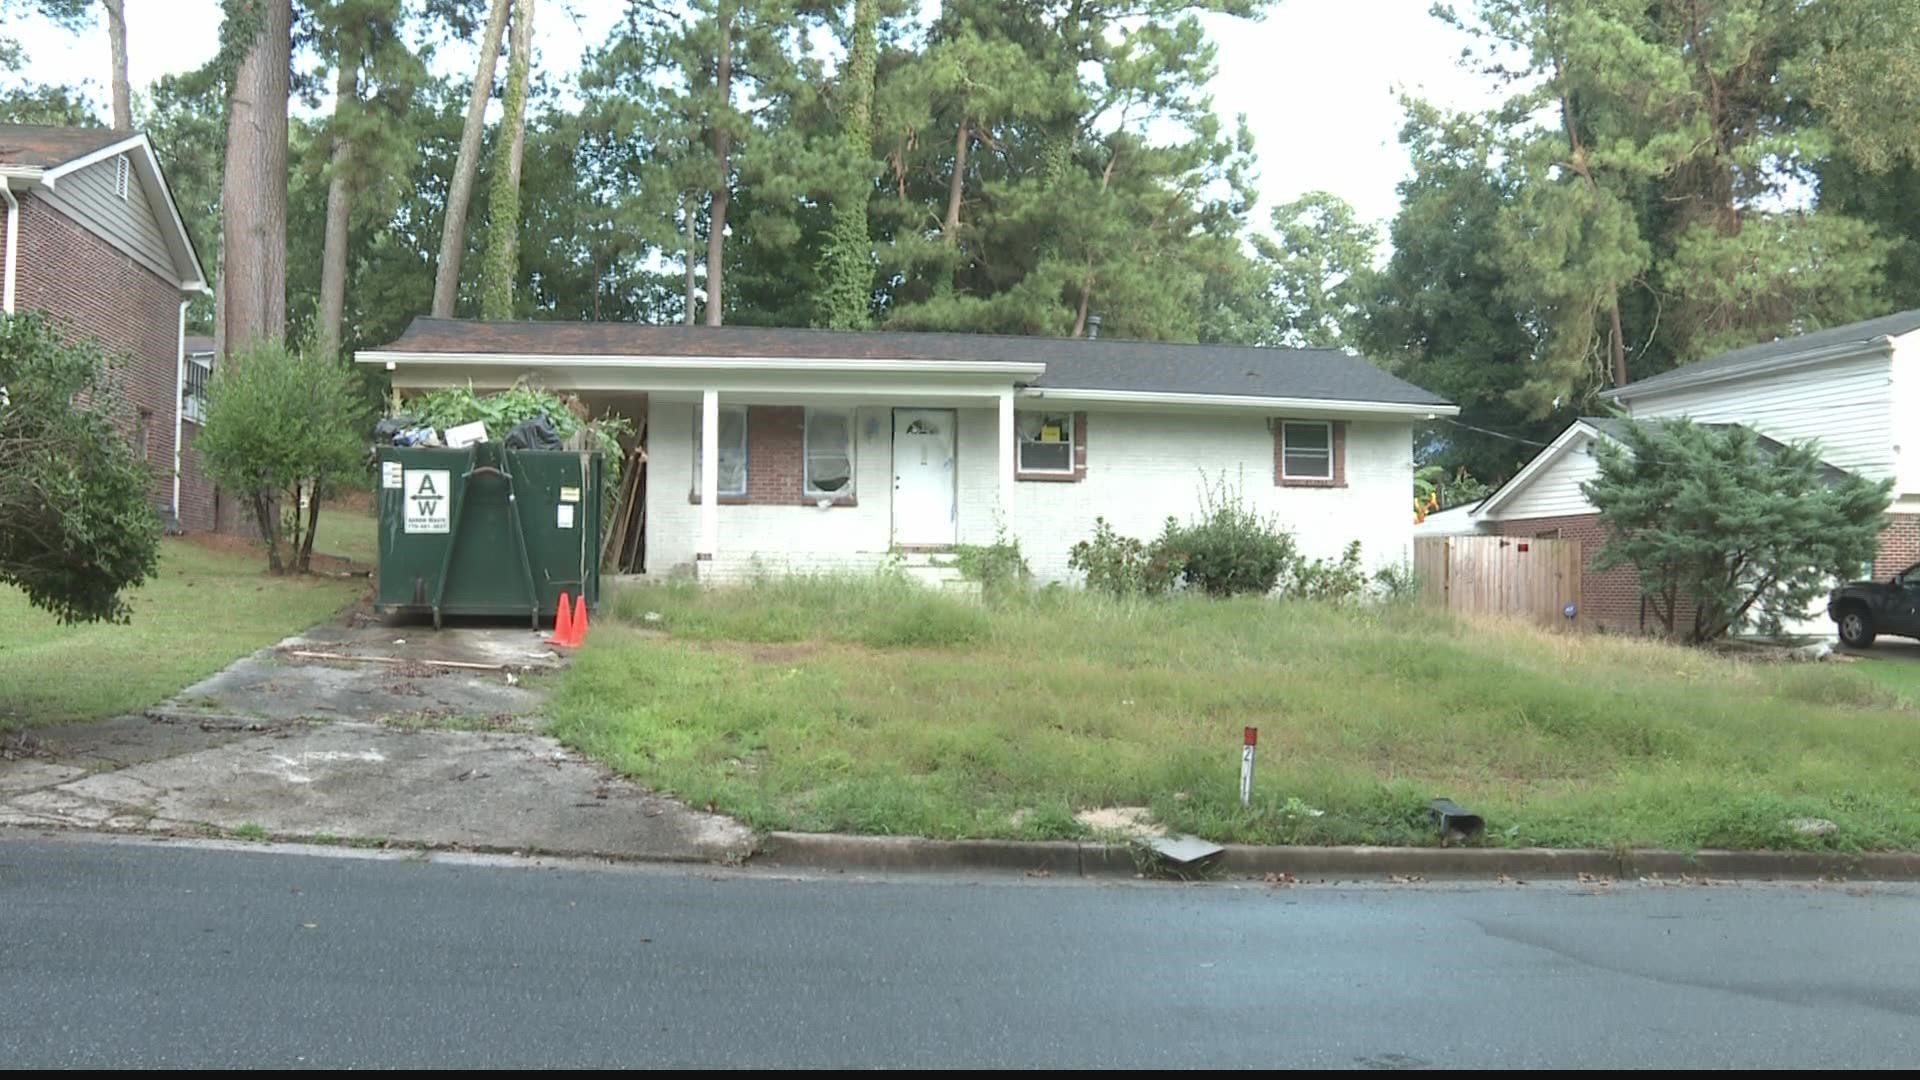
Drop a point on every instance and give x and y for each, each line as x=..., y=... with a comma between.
x=487, y=530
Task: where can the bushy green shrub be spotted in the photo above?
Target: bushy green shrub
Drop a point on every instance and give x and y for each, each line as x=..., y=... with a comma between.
x=1124, y=565
x=1397, y=582
x=75, y=528
x=998, y=566
x=1324, y=579
x=1232, y=549
x=283, y=427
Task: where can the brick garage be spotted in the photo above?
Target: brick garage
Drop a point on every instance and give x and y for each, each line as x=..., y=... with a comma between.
x=98, y=291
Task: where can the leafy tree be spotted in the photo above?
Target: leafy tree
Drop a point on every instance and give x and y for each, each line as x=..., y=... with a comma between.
x=185, y=116
x=1717, y=520
x=76, y=529
x=1441, y=313
x=282, y=429
x=375, y=75
x=1650, y=223
x=1321, y=256
x=44, y=103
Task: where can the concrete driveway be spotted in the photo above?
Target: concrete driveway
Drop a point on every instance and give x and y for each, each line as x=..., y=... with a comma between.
x=375, y=734
x=1888, y=648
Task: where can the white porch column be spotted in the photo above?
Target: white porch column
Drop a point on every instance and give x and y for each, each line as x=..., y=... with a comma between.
x=709, y=474
x=1006, y=459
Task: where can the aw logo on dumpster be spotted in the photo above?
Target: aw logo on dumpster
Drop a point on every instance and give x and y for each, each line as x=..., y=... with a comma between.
x=428, y=497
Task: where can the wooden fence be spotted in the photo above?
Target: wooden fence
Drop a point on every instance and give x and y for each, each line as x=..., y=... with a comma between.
x=1500, y=575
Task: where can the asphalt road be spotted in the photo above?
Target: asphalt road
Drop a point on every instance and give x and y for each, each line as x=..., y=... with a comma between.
x=149, y=955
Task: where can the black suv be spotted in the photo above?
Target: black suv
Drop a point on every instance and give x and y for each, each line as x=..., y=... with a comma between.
x=1866, y=609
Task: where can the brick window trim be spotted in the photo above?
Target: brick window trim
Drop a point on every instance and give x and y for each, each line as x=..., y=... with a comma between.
x=1338, y=438
x=776, y=462
x=1079, y=472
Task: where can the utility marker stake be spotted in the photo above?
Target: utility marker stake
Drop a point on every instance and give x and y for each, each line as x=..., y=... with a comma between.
x=1246, y=767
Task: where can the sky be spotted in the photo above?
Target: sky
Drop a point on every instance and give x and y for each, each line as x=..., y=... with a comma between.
x=1318, y=80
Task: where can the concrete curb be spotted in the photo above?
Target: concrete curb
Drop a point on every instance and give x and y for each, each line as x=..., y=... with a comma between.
x=832, y=851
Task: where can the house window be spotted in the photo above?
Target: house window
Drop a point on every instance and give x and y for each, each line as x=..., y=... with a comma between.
x=193, y=388
x=829, y=453
x=1306, y=450
x=143, y=433
x=121, y=170
x=1046, y=442
x=733, y=450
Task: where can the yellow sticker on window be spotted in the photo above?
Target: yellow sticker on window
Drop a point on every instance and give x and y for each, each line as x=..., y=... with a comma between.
x=1050, y=433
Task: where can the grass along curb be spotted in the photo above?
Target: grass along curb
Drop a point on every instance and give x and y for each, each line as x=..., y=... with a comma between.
x=834, y=851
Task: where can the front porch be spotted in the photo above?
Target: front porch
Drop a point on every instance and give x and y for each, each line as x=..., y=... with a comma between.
x=741, y=486
x=781, y=465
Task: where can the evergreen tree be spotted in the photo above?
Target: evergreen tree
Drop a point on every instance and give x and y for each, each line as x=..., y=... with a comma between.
x=1735, y=529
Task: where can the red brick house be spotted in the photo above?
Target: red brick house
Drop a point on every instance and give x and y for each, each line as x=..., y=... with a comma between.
x=94, y=239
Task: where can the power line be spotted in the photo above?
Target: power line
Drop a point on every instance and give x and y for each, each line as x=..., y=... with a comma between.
x=1495, y=434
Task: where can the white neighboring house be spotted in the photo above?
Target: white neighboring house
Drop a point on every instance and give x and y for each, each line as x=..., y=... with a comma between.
x=1855, y=388
x=773, y=450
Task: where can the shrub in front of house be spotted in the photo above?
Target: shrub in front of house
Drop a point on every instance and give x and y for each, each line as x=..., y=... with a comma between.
x=1328, y=579
x=1126, y=566
x=1232, y=549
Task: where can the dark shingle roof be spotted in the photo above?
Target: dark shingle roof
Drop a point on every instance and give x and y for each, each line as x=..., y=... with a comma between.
x=197, y=344
x=1852, y=333
x=44, y=146
x=1616, y=428
x=1072, y=363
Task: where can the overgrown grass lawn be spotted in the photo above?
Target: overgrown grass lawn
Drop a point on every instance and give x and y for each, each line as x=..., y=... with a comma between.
x=210, y=604
x=882, y=708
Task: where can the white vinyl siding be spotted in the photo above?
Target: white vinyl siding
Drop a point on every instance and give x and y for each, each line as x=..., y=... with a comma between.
x=1846, y=404
x=1555, y=491
x=90, y=197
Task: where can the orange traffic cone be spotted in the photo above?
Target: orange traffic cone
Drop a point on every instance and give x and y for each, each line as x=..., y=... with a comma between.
x=562, y=623
x=580, y=620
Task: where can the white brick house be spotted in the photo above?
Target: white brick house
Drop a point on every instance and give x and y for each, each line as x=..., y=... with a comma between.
x=836, y=450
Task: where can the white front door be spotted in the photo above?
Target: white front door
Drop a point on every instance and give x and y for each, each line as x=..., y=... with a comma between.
x=924, y=507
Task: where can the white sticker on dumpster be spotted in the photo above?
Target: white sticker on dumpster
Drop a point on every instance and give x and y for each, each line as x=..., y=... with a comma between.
x=390, y=474
x=566, y=516
x=428, y=498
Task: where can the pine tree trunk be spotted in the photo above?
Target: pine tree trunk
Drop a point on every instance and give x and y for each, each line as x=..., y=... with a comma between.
x=846, y=293
x=453, y=231
x=253, y=190
x=957, y=185
x=686, y=258
x=503, y=201
x=117, y=44
x=723, y=181
x=1086, y=284
x=1617, y=340
x=333, y=253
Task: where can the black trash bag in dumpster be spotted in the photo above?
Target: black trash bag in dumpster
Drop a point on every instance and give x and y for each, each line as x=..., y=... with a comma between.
x=386, y=431
x=534, y=434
